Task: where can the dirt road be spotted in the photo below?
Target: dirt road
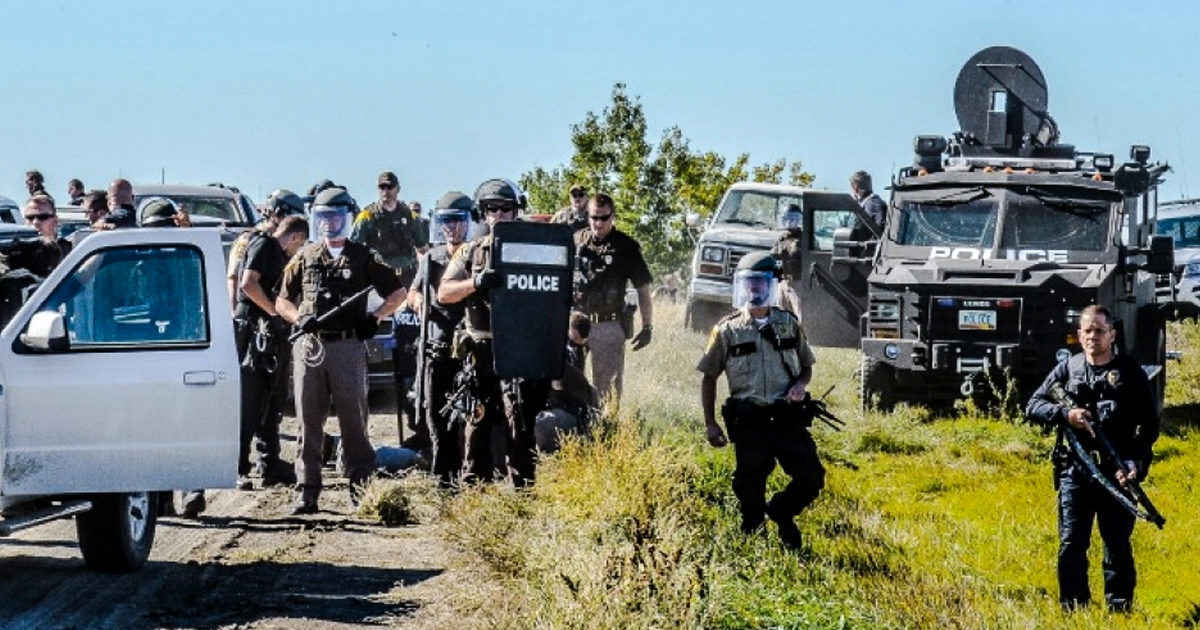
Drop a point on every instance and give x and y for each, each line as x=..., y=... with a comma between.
x=243, y=564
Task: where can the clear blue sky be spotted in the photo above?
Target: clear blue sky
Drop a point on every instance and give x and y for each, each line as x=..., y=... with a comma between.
x=268, y=94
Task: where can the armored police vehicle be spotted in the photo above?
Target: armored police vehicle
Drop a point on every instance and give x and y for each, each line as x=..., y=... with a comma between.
x=997, y=238
x=119, y=382
x=750, y=218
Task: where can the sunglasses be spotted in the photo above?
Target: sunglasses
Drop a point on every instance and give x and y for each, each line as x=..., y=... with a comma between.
x=42, y=216
x=600, y=218
x=495, y=209
x=578, y=195
x=387, y=186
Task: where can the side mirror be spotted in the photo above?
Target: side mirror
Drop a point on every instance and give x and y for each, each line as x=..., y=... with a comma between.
x=47, y=332
x=692, y=219
x=1160, y=259
x=845, y=249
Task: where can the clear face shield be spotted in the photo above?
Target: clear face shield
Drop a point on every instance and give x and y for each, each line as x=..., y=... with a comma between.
x=754, y=289
x=450, y=226
x=330, y=222
x=791, y=220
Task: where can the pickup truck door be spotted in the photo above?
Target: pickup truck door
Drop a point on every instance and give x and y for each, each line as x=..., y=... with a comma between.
x=146, y=395
x=833, y=296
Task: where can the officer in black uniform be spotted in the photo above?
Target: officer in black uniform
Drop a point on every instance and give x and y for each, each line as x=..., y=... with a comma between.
x=329, y=359
x=1100, y=379
x=280, y=204
x=788, y=251
x=262, y=348
x=449, y=229
x=469, y=279
x=767, y=361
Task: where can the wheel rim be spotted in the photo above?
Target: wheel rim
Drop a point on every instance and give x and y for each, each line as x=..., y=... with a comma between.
x=138, y=508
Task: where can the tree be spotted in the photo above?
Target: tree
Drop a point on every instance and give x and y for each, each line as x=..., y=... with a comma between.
x=655, y=187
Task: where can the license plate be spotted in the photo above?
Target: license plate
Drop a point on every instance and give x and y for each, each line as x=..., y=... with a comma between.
x=977, y=320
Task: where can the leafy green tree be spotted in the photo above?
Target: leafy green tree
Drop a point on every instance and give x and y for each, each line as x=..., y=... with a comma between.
x=655, y=186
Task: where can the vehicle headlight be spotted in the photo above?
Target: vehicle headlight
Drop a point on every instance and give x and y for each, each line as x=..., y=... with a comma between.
x=712, y=254
x=885, y=311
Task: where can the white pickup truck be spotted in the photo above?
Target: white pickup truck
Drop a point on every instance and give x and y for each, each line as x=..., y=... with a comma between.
x=119, y=379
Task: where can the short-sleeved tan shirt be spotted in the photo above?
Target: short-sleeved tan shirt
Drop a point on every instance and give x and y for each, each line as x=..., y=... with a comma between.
x=756, y=369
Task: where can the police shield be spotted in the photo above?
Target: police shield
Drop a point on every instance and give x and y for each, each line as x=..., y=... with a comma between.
x=532, y=305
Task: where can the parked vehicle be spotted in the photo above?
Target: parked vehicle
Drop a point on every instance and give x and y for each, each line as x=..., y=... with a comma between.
x=750, y=218
x=120, y=380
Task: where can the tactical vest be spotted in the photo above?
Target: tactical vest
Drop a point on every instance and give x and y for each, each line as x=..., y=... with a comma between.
x=391, y=233
x=746, y=371
x=330, y=282
x=479, y=308
x=441, y=319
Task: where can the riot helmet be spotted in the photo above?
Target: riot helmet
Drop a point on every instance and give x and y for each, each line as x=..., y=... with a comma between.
x=756, y=280
x=333, y=212
x=451, y=221
x=792, y=218
x=159, y=212
x=284, y=203
x=496, y=195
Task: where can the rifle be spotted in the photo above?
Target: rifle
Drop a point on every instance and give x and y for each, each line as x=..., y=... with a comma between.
x=464, y=405
x=334, y=311
x=1136, y=501
x=809, y=409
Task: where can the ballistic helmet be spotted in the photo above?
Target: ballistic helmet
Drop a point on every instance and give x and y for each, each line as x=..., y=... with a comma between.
x=496, y=192
x=755, y=281
x=284, y=203
x=451, y=219
x=333, y=212
x=159, y=212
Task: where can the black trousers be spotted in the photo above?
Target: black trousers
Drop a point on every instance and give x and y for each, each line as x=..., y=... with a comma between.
x=264, y=387
x=446, y=438
x=1081, y=501
x=759, y=443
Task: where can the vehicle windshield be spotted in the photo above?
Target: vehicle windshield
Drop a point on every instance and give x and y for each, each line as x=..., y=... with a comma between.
x=1186, y=230
x=756, y=208
x=1032, y=218
x=204, y=210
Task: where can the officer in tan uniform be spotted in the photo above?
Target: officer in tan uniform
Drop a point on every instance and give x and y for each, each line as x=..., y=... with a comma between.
x=766, y=358
x=329, y=359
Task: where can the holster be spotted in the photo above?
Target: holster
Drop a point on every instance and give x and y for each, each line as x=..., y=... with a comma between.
x=626, y=319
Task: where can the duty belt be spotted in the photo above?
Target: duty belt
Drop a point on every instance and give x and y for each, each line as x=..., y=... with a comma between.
x=604, y=317
x=335, y=335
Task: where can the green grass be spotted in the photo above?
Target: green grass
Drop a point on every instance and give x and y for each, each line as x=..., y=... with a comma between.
x=925, y=522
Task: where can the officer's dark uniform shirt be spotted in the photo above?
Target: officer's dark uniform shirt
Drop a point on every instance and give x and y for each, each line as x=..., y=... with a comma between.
x=756, y=369
x=321, y=282
x=442, y=318
x=1134, y=426
x=394, y=235
x=124, y=216
x=874, y=207
x=264, y=255
x=470, y=258
x=604, y=266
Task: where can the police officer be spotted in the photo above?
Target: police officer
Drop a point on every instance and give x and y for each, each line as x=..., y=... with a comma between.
x=449, y=229
x=280, y=204
x=1096, y=376
x=392, y=229
x=787, y=251
x=262, y=349
x=609, y=260
x=864, y=194
x=576, y=214
x=766, y=359
x=329, y=359
x=469, y=278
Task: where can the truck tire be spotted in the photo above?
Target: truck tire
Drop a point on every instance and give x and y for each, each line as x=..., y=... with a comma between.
x=878, y=385
x=116, y=535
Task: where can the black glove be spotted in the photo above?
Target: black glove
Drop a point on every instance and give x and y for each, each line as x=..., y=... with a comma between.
x=366, y=327
x=642, y=339
x=487, y=279
x=307, y=324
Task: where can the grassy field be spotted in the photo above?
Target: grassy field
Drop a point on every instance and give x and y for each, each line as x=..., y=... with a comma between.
x=925, y=523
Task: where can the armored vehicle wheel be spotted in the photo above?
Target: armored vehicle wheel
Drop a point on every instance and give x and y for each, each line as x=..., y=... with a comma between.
x=878, y=385
x=116, y=535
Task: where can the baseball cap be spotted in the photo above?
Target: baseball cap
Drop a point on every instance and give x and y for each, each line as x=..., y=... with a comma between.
x=389, y=178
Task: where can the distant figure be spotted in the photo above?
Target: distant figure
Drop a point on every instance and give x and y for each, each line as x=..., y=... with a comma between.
x=787, y=251
x=574, y=215
x=121, y=213
x=669, y=288
x=36, y=184
x=860, y=189
x=391, y=229
x=75, y=192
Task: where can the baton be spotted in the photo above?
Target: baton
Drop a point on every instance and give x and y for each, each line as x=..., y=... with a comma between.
x=333, y=311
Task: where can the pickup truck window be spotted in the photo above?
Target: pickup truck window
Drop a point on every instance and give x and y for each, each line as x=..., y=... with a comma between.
x=754, y=208
x=134, y=295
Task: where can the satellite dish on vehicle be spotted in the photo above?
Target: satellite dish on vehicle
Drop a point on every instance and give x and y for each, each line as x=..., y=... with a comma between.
x=1000, y=98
